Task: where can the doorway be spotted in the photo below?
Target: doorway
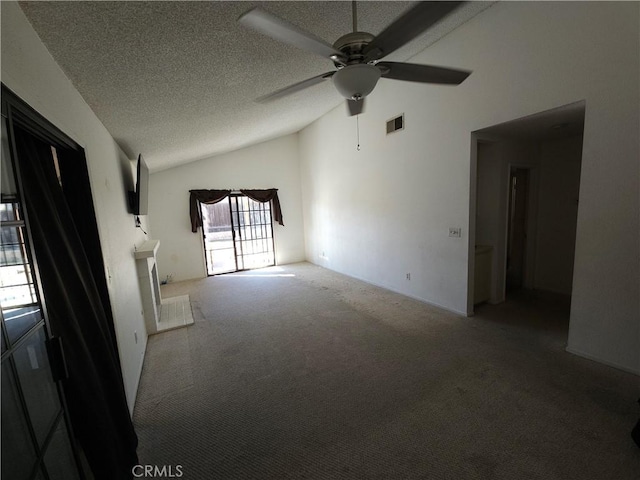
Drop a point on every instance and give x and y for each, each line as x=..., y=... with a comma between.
x=238, y=235
x=37, y=438
x=517, y=228
x=525, y=182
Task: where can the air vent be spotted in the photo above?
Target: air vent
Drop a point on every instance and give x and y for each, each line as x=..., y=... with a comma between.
x=395, y=124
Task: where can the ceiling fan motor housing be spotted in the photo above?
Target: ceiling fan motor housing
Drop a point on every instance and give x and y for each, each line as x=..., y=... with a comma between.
x=356, y=79
x=352, y=45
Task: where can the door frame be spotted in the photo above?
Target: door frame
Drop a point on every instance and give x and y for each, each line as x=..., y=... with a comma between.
x=18, y=112
x=529, y=261
x=498, y=284
x=574, y=112
x=227, y=199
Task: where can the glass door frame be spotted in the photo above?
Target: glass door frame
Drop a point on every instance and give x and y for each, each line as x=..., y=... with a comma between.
x=15, y=111
x=207, y=253
x=235, y=226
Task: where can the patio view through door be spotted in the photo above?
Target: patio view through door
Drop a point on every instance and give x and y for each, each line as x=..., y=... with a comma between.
x=238, y=235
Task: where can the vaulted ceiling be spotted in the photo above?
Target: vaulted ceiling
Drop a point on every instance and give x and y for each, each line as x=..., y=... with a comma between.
x=176, y=81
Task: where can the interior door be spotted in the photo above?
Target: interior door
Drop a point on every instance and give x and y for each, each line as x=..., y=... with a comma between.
x=517, y=237
x=35, y=436
x=64, y=410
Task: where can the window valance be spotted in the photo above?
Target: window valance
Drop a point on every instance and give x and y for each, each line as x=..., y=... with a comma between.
x=214, y=196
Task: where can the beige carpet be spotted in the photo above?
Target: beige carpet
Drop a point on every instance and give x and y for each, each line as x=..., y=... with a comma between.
x=298, y=372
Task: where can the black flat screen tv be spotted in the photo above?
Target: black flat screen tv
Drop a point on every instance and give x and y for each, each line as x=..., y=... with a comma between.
x=139, y=199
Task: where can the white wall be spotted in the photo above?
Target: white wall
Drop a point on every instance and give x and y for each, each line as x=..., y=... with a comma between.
x=490, y=214
x=29, y=70
x=527, y=57
x=559, y=185
x=272, y=164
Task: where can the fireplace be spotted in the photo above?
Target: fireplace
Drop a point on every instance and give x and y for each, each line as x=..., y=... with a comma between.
x=159, y=314
x=145, y=256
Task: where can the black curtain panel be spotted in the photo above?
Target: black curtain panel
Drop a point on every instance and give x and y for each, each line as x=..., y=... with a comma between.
x=94, y=388
x=214, y=196
x=203, y=196
x=269, y=195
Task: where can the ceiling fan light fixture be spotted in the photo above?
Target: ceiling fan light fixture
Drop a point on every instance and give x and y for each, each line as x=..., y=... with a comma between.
x=357, y=81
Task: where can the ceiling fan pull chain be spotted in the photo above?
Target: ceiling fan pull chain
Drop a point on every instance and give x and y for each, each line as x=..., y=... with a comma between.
x=358, y=132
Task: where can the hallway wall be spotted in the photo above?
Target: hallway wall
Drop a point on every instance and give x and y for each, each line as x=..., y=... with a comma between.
x=558, y=194
x=385, y=210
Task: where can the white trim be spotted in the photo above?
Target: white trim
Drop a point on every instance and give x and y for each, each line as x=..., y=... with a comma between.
x=132, y=402
x=602, y=361
x=385, y=287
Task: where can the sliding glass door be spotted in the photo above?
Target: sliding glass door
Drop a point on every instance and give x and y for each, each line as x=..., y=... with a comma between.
x=238, y=235
x=219, y=245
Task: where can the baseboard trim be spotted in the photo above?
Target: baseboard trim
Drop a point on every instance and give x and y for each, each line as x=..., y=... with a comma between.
x=139, y=376
x=604, y=362
x=414, y=297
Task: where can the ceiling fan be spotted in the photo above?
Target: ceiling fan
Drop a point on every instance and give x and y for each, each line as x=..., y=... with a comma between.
x=357, y=55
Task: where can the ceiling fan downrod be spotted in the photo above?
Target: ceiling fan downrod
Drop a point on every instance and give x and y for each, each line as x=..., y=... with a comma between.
x=354, y=15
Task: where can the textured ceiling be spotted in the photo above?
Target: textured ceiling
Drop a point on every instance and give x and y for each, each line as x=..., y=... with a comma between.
x=176, y=81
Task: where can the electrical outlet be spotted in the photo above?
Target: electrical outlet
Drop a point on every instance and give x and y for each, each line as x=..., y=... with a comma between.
x=455, y=232
x=408, y=276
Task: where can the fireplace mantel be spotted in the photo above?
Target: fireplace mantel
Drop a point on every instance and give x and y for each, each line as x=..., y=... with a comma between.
x=147, y=249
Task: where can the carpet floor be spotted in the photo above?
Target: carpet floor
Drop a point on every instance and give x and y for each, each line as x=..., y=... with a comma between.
x=297, y=372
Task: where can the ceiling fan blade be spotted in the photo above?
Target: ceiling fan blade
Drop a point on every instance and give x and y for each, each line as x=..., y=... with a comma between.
x=296, y=87
x=407, y=27
x=275, y=27
x=413, y=72
x=355, y=107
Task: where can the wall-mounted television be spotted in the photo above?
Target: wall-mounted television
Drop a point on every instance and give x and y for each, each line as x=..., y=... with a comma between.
x=139, y=199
